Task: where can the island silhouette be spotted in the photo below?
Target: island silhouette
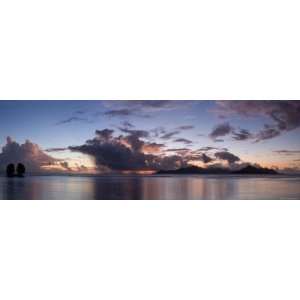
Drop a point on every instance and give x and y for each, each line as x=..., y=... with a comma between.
x=18, y=172
x=251, y=170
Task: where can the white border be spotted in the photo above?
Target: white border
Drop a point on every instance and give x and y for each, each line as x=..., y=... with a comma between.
x=149, y=50
x=149, y=250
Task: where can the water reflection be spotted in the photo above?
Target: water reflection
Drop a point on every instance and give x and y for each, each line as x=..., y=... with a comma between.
x=150, y=187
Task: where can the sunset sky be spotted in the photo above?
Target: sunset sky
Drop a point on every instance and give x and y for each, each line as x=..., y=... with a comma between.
x=124, y=136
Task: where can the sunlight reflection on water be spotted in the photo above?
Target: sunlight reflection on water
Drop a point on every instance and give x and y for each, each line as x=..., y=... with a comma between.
x=150, y=187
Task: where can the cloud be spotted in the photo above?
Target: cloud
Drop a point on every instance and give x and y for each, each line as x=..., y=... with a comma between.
x=268, y=132
x=72, y=119
x=127, y=152
x=29, y=154
x=170, y=134
x=177, y=149
x=127, y=124
x=287, y=152
x=153, y=148
x=284, y=115
x=192, y=155
x=158, y=131
x=182, y=140
x=221, y=130
x=185, y=127
x=118, y=112
x=155, y=105
x=142, y=108
x=65, y=165
x=208, y=148
x=105, y=134
x=290, y=170
x=242, y=135
x=132, y=151
x=227, y=156
x=55, y=149
x=35, y=159
x=137, y=133
x=205, y=158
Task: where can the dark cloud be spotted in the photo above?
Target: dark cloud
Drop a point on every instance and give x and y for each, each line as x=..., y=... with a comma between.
x=285, y=115
x=170, y=134
x=171, y=162
x=268, y=132
x=104, y=135
x=132, y=152
x=28, y=153
x=72, y=119
x=127, y=124
x=143, y=108
x=185, y=127
x=118, y=112
x=112, y=154
x=55, y=149
x=227, y=156
x=208, y=148
x=177, y=149
x=193, y=156
x=206, y=159
x=65, y=165
x=158, y=131
x=127, y=152
x=153, y=105
x=241, y=135
x=287, y=152
x=182, y=140
x=221, y=130
x=137, y=133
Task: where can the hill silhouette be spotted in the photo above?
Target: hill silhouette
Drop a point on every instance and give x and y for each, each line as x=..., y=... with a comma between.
x=255, y=170
x=198, y=170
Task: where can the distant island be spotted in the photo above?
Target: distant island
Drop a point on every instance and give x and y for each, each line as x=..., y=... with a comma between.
x=250, y=170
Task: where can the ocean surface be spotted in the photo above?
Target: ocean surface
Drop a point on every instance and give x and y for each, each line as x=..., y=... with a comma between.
x=151, y=187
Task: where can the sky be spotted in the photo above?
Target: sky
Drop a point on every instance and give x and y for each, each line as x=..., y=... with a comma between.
x=145, y=136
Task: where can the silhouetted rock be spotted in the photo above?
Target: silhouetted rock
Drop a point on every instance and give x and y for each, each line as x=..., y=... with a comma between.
x=21, y=170
x=255, y=170
x=213, y=170
x=10, y=170
x=195, y=170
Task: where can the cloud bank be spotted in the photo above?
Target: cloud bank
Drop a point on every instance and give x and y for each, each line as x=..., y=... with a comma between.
x=127, y=152
x=29, y=154
x=283, y=116
x=133, y=152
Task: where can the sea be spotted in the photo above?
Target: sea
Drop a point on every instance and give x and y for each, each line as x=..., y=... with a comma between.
x=151, y=187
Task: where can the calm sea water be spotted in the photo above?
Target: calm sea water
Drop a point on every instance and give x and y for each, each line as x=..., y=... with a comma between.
x=150, y=187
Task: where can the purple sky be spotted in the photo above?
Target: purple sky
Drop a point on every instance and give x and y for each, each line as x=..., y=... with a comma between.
x=98, y=136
